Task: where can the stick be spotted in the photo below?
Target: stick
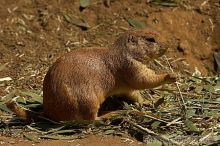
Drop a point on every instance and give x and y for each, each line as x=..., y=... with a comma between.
x=177, y=85
x=148, y=131
x=173, y=122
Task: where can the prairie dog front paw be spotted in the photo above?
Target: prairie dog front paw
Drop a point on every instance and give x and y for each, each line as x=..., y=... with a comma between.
x=170, y=78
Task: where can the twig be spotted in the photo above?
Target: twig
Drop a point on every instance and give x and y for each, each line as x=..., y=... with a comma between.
x=127, y=140
x=209, y=108
x=212, y=25
x=34, y=129
x=154, y=118
x=135, y=112
x=95, y=27
x=205, y=101
x=148, y=131
x=158, y=62
x=185, y=93
x=201, y=78
x=204, y=3
x=177, y=85
x=184, y=104
x=173, y=122
x=148, y=116
x=177, y=60
x=208, y=135
x=44, y=118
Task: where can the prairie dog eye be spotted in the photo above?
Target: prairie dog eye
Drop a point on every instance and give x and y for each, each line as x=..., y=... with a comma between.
x=132, y=39
x=151, y=40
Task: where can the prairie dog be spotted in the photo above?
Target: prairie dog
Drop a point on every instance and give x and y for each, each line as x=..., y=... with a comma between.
x=79, y=82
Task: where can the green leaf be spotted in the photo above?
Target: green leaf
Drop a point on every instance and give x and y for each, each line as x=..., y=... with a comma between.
x=84, y=3
x=136, y=23
x=21, y=100
x=34, y=96
x=67, y=18
x=165, y=3
x=126, y=105
x=33, y=106
x=80, y=23
x=217, y=88
x=198, y=89
x=155, y=124
x=76, y=21
x=4, y=108
x=34, y=129
x=3, y=66
x=213, y=114
x=205, y=101
x=76, y=123
x=55, y=129
x=190, y=112
x=110, y=131
x=31, y=138
x=67, y=131
x=191, y=126
x=209, y=88
x=155, y=143
x=46, y=126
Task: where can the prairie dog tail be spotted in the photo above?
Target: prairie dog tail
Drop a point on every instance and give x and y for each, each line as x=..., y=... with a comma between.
x=26, y=115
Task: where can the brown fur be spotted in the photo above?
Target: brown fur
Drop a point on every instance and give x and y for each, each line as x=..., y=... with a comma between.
x=78, y=82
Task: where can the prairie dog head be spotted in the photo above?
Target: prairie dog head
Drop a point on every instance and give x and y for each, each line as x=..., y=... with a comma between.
x=142, y=45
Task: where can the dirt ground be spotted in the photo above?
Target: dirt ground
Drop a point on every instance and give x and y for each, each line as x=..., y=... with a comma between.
x=92, y=140
x=34, y=33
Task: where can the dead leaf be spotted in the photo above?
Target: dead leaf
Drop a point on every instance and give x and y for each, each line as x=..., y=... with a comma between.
x=67, y=131
x=31, y=138
x=191, y=126
x=4, y=108
x=84, y=3
x=3, y=66
x=136, y=23
x=209, y=88
x=155, y=143
x=198, y=89
x=155, y=124
x=67, y=18
x=34, y=96
x=76, y=21
x=109, y=131
x=167, y=3
x=159, y=102
x=190, y=112
x=213, y=114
